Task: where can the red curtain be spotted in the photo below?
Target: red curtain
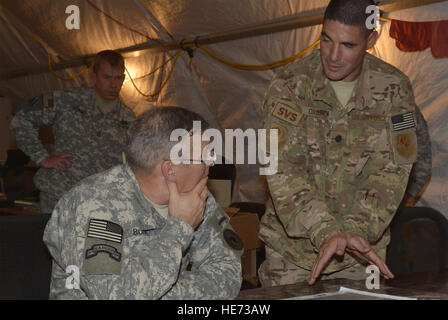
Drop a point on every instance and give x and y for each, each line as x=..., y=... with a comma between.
x=418, y=36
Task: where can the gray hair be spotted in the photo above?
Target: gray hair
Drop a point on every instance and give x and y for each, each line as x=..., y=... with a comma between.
x=148, y=137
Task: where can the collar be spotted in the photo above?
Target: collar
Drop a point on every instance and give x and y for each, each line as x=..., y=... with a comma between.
x=152, y=219
x=321, y=89
x=87, y=103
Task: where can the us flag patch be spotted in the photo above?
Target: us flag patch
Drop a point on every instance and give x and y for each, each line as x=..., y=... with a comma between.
x=105, y=230
x=403, y=121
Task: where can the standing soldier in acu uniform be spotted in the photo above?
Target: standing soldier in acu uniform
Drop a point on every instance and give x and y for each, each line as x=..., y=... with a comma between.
x=89, y=126
x=347, y=142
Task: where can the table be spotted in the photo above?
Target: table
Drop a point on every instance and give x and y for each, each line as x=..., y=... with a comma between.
x=19, y=210
x=425, y=286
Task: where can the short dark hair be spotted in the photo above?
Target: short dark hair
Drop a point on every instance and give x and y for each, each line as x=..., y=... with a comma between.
x=349, y=12
x=112, y=57
x=148, y=137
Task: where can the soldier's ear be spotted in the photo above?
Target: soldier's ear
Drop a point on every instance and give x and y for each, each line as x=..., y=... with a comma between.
x=168, y=171
x=371, y=40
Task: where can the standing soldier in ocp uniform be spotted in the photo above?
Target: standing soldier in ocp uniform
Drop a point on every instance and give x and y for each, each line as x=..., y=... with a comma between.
x=347, y=141
x=89, y=126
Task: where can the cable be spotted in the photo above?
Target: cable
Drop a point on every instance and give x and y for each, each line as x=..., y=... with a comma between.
x=267, y=66
x=123, y=25
x=189, y=48
x=156, y=69
x=176, y=56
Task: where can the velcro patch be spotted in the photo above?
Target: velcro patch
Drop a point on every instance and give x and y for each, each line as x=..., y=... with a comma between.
x=105, y=230
x=103, y=249
x=405, y=147
x=102, y=257
x=232, y=239
x=282, y=134
x=287, y=114
x=97, y=248
x=403, y=121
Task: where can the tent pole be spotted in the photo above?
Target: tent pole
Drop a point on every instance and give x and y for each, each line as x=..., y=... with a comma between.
x=293, y=23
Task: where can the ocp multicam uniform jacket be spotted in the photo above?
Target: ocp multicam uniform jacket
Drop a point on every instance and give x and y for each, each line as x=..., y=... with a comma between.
x=340, y=168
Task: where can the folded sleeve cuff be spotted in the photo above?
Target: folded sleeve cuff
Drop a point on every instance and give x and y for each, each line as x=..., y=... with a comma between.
x=319, y=234
x=39, y=157
x=350, y=226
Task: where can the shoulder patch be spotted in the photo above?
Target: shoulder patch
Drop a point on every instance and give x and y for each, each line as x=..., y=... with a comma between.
x=106, y=230
x=103, y=248
x=282, y=135
x=232, y=239
x=285, y=113
x=404, y=138
x=403, y=121
x=406, y=145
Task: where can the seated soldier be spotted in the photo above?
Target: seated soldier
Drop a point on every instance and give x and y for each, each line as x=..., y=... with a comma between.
x=148, y=229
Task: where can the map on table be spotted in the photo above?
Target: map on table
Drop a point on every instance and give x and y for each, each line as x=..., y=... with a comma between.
x=351, y=294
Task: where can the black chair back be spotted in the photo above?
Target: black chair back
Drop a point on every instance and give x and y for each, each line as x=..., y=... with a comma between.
x=25, y=263
x=419, y=241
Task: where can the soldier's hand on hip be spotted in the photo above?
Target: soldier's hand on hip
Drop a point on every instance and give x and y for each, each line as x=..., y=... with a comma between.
x=188, y=206
x=58, y=162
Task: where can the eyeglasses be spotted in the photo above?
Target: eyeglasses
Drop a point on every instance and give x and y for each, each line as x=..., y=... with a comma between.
x=209, y=160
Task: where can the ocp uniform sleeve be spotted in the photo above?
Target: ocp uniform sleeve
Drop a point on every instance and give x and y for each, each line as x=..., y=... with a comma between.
x=422, y=169
x=383, y=179
x=25, y=126
x=293, y=189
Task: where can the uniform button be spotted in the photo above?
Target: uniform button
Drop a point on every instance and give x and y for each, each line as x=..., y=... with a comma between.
x=338, y=138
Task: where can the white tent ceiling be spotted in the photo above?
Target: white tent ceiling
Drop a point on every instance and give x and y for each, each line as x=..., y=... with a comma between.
x=227, y=97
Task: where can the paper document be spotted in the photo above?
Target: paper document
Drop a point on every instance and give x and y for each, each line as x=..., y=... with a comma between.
x=351, y=294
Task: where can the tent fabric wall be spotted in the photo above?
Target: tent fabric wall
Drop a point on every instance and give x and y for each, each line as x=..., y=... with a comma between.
x=226, y=97
x=429, y=77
